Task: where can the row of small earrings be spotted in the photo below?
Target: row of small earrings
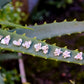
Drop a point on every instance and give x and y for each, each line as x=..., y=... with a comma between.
x=39, y=47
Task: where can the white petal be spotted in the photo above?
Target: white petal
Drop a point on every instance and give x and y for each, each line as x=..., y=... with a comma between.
x=66, y=54
x=37, y=47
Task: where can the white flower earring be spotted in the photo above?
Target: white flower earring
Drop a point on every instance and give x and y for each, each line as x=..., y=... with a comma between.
x=17, y=43
x=45, y=49
x=37, y=47
x=57, y=52
x=27, y=44
x=79, y=56
x=5, y=40
x=66, y=54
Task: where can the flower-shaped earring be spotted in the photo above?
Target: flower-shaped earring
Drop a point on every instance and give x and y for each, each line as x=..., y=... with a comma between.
x=57, y=52
x=27, y=44
x=45, y=49
x=5, y=40
x=79, y=56
x=37, y=47
x=66, y=54
x=17, y=43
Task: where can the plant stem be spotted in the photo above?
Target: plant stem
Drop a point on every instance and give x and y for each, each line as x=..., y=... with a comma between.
x=22, y=71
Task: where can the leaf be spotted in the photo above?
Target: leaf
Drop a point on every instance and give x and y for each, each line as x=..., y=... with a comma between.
x=32, y=51
x=8, y=56
x=6, y=23
x=54, y=29
x=3, y=2
x=1, y=80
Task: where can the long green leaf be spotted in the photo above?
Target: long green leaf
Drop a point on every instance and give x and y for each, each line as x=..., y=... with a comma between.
x=8, y=56
x=6, y=23
x=32, y=51
x=54, y=29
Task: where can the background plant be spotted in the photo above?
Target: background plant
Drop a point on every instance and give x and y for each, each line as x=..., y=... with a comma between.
x=48, y=27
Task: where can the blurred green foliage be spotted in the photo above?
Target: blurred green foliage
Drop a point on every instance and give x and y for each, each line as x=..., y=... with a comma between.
x=12, y=14
x=9, y=77
x=41, y=10
x=59, y=3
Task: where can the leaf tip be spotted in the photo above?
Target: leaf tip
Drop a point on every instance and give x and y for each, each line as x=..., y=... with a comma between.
x=54, y=44
x=80, y=64
x=14, y=32
x=65, y=47
x=59, y=36
x=23, y=52
x=69, y=34
x=35, y=24
x=65, y=20
x=76, y=50
x=25, y=25
x=44, y=40
x=33, y=54
x=54, y=21
x=68, y=61
x=79, y=32
x=13, y=50
x=75, y=19
x=24, y=34
x=35, y=37
x=45, y=22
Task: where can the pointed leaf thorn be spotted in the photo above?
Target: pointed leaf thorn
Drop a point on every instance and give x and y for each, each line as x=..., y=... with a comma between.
x=54, y=44
x=69, y=34
x=59, y=36
x=74, y=20
x=45, y=22
x=35, y=24
x=65, y=20
x=76, y=50
x=44, y=40
x=65, y=47
x=25, y=25
x=79, y=32
x=33, y=54
x=23, y=52
x=35, y=37
x=14, y=32
x=24, y=34
x=54, y=21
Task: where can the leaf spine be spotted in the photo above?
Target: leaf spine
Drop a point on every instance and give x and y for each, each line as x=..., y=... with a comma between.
x=24, y=34
x=44, y=40
x=76, y=50
x=35, y=24
x=45, y=22
x=75, y=19
x=14, y=32
x=54, y=44
x=65, y=20
x=54, y=21
x=35, y=37
x=65, y=47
